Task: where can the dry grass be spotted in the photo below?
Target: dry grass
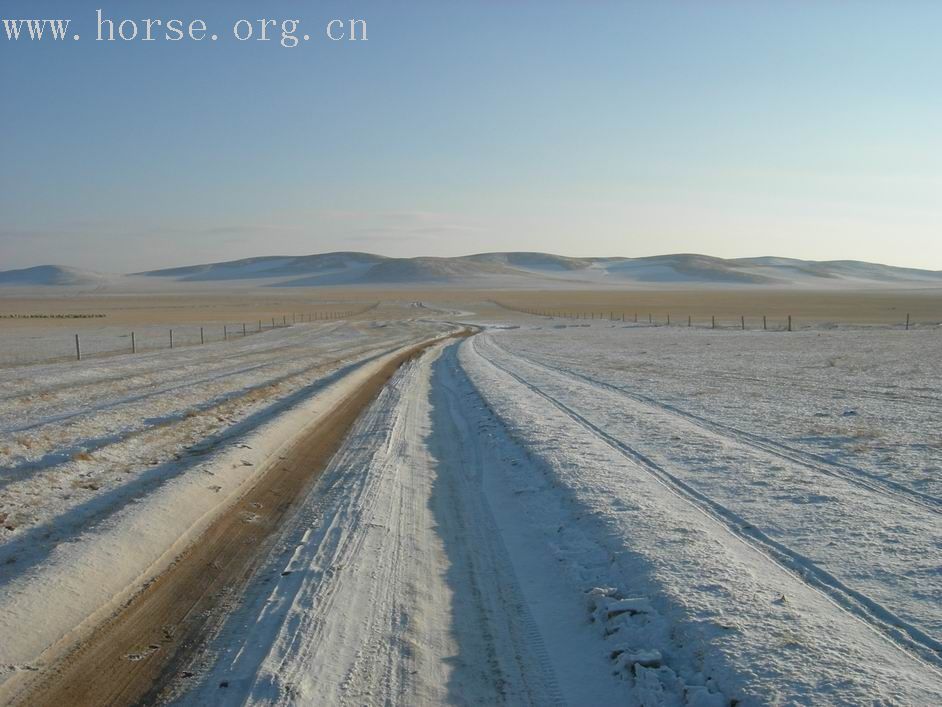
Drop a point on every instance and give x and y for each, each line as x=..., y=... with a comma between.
x=872, y=307
x=251, y=305
x=247, y=306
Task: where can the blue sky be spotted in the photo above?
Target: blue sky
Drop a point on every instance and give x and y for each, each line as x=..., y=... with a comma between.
x=804, y=129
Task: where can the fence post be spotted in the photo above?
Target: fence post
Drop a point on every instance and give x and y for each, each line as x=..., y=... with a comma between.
x=284, y=320
x=133, y=345
x=764, y=327
x=171, y=338
x=907, y=322
x=225, y=332
x=650, y=319
x=272, y=322
x=78, y=349
x=689, y=321
x=789, y=322
x=714, y=322
x=243, y=328
x=668, y=319
x=742, y=319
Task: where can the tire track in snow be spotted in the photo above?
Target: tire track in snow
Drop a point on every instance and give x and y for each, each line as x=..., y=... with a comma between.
x=483, y=524
x=358, y=613
x=906, y=636
x=171, y=386
x=171, y=611
x=35, y=542
x=189, y=357
x=27, y=469
x=814, y=462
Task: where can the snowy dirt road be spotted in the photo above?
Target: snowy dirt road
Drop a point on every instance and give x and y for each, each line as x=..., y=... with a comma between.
x=395, y=585
x=82, y=535
x=482, y=539
x=514, y=521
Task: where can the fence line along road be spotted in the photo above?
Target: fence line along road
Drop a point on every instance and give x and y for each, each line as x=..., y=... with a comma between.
x=176, y=337
x=785, y=324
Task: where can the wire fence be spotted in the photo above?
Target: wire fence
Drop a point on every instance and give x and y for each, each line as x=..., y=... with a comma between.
x=52, y=346
x=743, y=322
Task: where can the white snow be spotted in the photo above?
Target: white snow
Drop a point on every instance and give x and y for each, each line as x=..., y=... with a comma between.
x=825, y=577
x=500, y=270
x=657, y=558
x=592, y=515
x=402, y=580
x=163, y=450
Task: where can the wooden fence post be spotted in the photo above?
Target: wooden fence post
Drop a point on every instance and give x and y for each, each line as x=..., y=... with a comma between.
x=668, y=319
x=171, y=338
x=714, y=321
x=689, y=321
x=202, y=339
x=789, y=322
x=907, y=322
x=764, y=327
x=742, y=318
x=133, y=344
x=243, y=328
x=78, y=349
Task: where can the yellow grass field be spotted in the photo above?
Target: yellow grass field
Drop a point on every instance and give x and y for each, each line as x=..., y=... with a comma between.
x=866, y=308
x=250, y=306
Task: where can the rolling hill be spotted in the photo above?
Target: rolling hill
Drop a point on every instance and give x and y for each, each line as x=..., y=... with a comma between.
x=57, y=275
x=500, y=270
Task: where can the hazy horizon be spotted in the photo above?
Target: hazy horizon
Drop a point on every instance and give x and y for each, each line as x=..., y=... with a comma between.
x=459, y=255
x=742, y=129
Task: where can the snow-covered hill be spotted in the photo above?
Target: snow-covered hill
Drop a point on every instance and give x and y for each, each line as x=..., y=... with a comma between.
x=505, y=270
x=52, y=275
x=521, y=269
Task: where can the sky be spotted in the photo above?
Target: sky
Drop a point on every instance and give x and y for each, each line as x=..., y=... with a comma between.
x=806, y=129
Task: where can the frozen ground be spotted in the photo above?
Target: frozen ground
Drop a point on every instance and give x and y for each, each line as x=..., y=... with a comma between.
x=499, y=530
x=56, y=344
x=107, y=465
x=541, y=514
x=806, y=526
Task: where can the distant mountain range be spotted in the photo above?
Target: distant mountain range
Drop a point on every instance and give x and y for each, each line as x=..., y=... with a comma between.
x=497, y=270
